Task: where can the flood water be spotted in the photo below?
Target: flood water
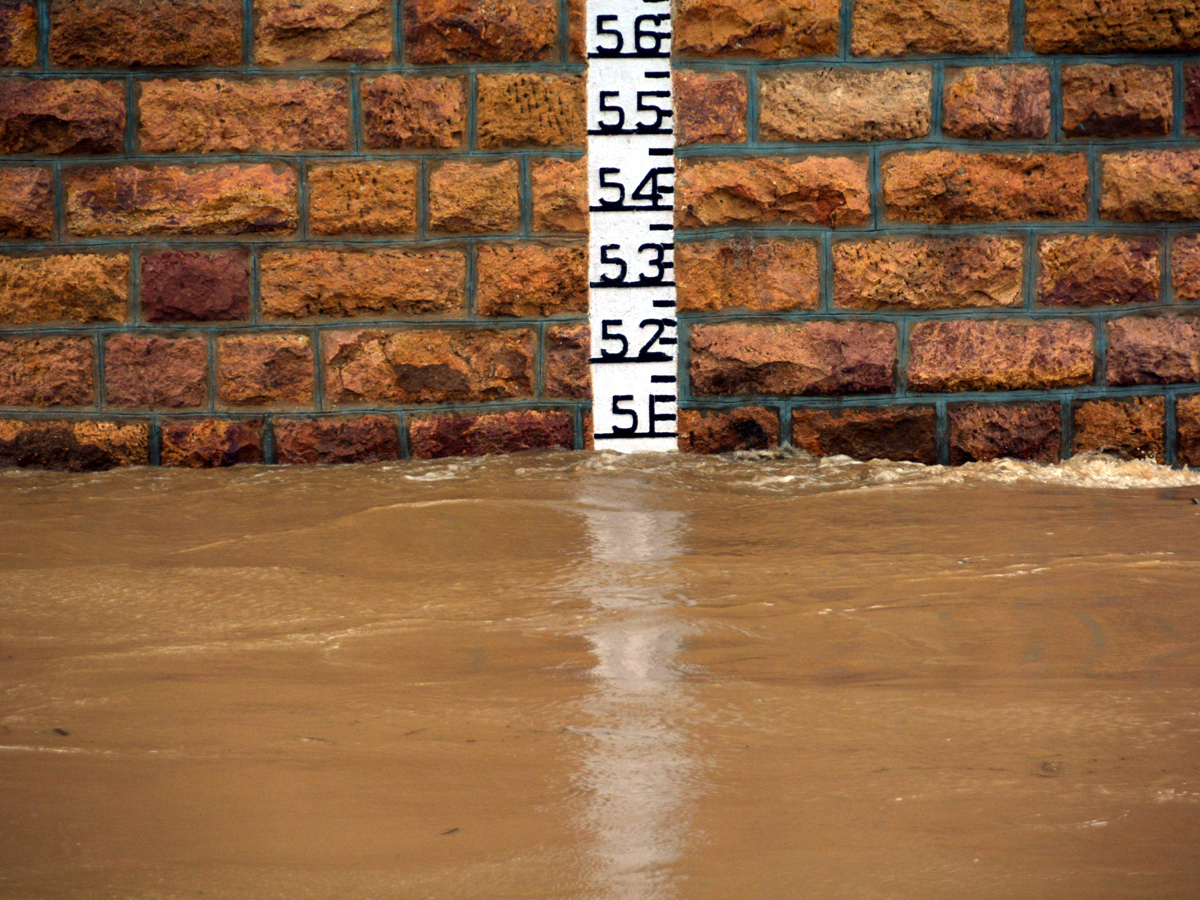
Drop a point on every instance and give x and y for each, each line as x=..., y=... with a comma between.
x=583, y=676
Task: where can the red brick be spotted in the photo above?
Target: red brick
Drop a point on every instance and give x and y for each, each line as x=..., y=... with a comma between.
x=1006, y=354
x=467, y=197
x=326, y=441
x=1117, y=101
x=902, y=433
x=195, y=286
x=888, y=28
x=159, y=372
x=997, y=103
x=265, y=369
x=74, y=446
x=363, y=198
x=763, y=29
x=47, y=371
x=1133, y=428
x=140, y=33
x=26, y=203
x=463, y=31
x=710, y=108
x=1191, y=99
x=845, y=104
x=763, y=274
x=18, y=35
x=1187, y=414
x=315, y=31
x=1144, y=350
x=728, y=430
x=74, y=116
x=981, y=433
x=559, y=193
x=402, y=113
x=566, y=363
x=530, y=279
x=1133, y=26
x=90, y=287
x=530, y=110
x=1097, y=270
x=211, y=443
x=1185, y=264
x=1151, y=185
x=436, y=436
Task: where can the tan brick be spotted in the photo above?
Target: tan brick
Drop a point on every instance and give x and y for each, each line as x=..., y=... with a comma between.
x=812, y=190
x=531, y=279
x=68, y=116
x=74, y=446
x=928, y=273
x=47, y=371
x=155, y=372
x=211, y=443
x=1187, y=414
x=467, y=197
x=265, y=369
x=1089, y=26
x=983, y=432
x=308, y=283
x=728, y=430
x=1185, y=263
x=710, y=108
x=18, y=35
x=845, y=104
x=195, y=286
x=1151, y=185
x=888, y=28
x=902, y=433
x=1132, y=428
x=997, y=103
x=427, y=365
x=136, y=33
x=559, y=193
x=1117, y=101
x=944, y=186
x=64, y=288
x=1097, y=270
x=436, y=436
x=765, y=274
x=360, y=439
x=402, y=113
x=530, y=110
x=463, y=31
x=26, y=203
x=764, y=29
x=1159, y=350
x=566, y=365
x=363, y=198
x=315, y=31
x=1007, y=354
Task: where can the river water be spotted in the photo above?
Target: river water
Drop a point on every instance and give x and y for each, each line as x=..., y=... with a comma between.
x=585, y=676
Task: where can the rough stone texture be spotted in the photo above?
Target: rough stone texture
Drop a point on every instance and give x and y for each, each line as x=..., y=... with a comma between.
x=26, y=204
x=1187, y=415
x=1151, y=185
x=997, y=103
x=765, y=29
x=793, y=358
x=1117, y=101
x=710, y=108
x=928, y=273
x=814, y=190
x=466, y=197
x=18, y=35
x=363, y=439
x=436, y=436
x=47, y=371
x=902, y=433
x=363, y=198
x=464, y=31
x=944, y=186
x=888, y=28
x=211, y=443
x=980, y=433
x=845, y=104
x=1000, y=355
x=299, y=284
x=75, y=116
x=1185, y=263
x=213, y=199
x=163, y=372
x=1147, y=350
x=74, y=446
x=313, y=31
x=728, y=430
x=65, y=287
x=195, y=286
x=1100, y=26
x=265, y=369
x=1097, y=270
x=765, y=274
x=559, y=192
x=567, y=373
x=1132, y=429
x=1191, y=99
x=530, y=279
x=220, y=115
x=143, y=33
x=428, y=366
x=403, y=113
x=531, y=110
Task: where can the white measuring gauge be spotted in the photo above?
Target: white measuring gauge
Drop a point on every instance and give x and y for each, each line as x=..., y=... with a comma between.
x=631, y=268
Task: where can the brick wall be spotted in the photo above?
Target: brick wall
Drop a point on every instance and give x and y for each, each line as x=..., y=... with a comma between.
x=338, y=230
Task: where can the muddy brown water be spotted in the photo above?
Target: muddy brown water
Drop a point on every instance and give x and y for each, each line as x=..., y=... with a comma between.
x=581, y=676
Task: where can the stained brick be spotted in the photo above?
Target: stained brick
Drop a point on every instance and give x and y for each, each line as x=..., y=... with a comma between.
x=762, y=274
x=142, y=33
x=1086, y=26
x=1187, y=414
x=559, y=194
x=90, y=287
x=47, y=371
x=1132, y=428
x=405, y=113
x=67, y=116
x=265, y=369
x=531, y=279
x=1117, y=101
x=211, y=443
x=436, y=436
x=728, y=430
x=902, y=433
x=467, y=197
x=74, y=446
x=710, y=108
x=314, y=31
x=1160, y=350
x=155, y=372
x=360, y=439
x=999, y=355
x=26, y=203
x=18, y=35
x=845, y=104
x=461, y=31
x=566, y=364
x=1185, y=263
x=764, y=29
x=997, y=103
x=1151, y=185
x=1097, y=270
x=363, y=198
x=888, y=28
x=530, y=110
x=195, y=286
x=1029, y=431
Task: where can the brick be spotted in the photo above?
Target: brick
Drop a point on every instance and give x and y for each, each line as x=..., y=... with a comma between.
x=530, y=279
x=566, y=362
x=402, y=113
x=65, y=287
x=1117, y=101
x=1187, y=414
x=1145, y=350
x=888, y=28
x=73, y=446
x=710, y=108
x=529, y=110
x=265, y=369
x=793, y=358
x=309, y=283
x=363, y=198
x=1191, y=99
x=813, y=190
x=1029, y=431
x=466, y=197
x=463, y=31
x=195, y=286
x=762, y=29
x=47, y=371
x=1150, y=185
x=26, y=203
x=1007, y=354
x=997, y=103
x=68, y=116
x=143, y=33
x=437, y=436
x=946, y=187
x=901, y=433
x=159, y=372
x=1133, y=428
x=211, y=199
x=18, y=35
x=559, y=194
x=1185, y=263
x=577, y=30
x=928, y=273
x=728, y=430
x=328, y=441
x=316, y=31
x=845, y=104
x=1091, y=26
x=1097, y=270
x=211, y=443
x=427, y=365
x=765, y=275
